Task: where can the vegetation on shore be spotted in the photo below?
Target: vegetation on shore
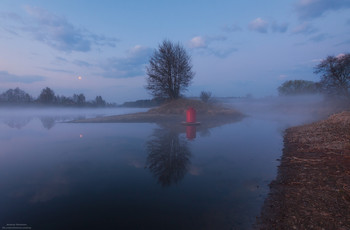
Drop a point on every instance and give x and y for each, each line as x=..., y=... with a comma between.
x=334, y=81
x=48, y=97
x=175, y=110
x=147, y=103
x=312, y=189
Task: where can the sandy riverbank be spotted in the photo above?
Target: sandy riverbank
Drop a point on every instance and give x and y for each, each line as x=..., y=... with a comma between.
x=312, y=188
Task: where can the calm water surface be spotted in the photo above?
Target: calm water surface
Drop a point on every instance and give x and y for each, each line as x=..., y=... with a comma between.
x=56, y=175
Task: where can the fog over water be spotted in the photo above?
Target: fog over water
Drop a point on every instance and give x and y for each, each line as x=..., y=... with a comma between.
x=141, y=176
x=288, y=110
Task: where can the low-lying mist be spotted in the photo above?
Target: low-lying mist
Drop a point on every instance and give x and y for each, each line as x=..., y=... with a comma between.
x=18, y=117
x=291, y=110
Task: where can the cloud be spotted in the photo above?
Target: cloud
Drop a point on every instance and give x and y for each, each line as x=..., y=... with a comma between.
x=346, y=42
x=56, y=31
x=211, y=45
x=259, y=25
x=7, y=77
x=319, y=37
x=304, y=28
x=130, y=66
x=61, y=59
x=222, y=53
x=82, y=63
x=11, y=16
x=280, y=28
x=232, y=28
x=57, y=70
x=197, y=42
x=309, y=9
x=340, y=55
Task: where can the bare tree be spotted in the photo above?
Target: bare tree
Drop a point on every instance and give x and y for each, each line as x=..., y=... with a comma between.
x=205, y=96
x=169, y=71
x=335, y=74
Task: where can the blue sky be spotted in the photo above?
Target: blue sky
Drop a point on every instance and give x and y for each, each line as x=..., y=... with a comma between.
x=237, y=47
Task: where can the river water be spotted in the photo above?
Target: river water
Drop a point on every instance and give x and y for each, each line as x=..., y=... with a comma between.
x=56, y=175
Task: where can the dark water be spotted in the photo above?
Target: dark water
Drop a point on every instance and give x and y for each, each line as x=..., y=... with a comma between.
x=133, y=176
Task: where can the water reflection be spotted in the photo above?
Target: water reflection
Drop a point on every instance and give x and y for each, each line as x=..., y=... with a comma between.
x=168, y=156
x=17, y=122
x=191, y=132
x=48, y=122
x=168, y=150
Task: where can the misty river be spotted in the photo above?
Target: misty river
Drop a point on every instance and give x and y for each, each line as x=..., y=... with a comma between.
x=57, y=175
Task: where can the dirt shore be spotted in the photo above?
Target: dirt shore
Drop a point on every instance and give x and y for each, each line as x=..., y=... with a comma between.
x=312, y=188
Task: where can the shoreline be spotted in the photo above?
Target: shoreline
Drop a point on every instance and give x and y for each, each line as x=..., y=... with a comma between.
x=312, y=187
x=174, y=112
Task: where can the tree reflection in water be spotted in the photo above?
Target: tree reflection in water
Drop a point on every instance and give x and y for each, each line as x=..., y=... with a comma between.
x=168, y=156
x=17, y=122
x=48, y=122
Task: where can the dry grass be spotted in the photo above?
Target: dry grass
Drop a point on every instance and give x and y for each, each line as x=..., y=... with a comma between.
x=215, y=114
x=312, y=189
x=181, y=105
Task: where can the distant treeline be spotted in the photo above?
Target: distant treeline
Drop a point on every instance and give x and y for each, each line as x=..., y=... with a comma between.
x=334, y=81
x=297, y=87
x=143, y=103
x=48, y=97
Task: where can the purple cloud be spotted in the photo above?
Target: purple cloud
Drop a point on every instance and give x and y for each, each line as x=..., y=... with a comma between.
x=309, y=9
x=319, y=37
x=7, y=77
x=259, y=25
x=304, y=28
x=56, y=31
x=280, y=28
x=232, y=28
x=130, y=66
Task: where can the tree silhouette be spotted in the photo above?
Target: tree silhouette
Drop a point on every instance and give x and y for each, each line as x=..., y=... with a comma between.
x=335, y=76
x=99, y=101
x=298, y=87
x=15, y=96
x=47, y=96
x=169, y=71
x=79, y=99
x=168, y=156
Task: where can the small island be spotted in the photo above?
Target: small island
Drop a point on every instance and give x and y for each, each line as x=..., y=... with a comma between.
x=175, y=111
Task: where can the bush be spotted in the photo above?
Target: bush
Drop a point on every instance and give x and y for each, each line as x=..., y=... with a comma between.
x=205, y=96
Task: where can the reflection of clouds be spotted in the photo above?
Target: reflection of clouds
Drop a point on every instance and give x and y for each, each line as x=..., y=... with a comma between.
x=47, y=121
x=195, y=171
x=54, y=187
x=43, y=186
x=136, y=163
x=168, y=156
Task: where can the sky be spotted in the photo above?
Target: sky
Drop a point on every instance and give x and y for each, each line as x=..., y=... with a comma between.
x=237, y=48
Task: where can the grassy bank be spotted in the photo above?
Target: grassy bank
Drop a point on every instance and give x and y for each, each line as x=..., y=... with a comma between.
x=174, y=111
x=312, y=188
